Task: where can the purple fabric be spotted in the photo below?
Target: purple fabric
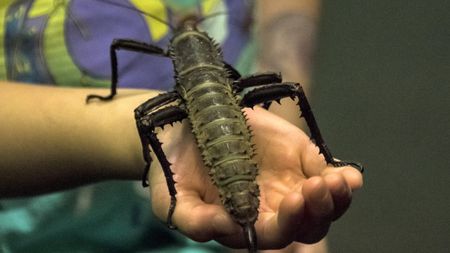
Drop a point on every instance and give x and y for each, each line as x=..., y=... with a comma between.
x=103, y=22
x=106, y=22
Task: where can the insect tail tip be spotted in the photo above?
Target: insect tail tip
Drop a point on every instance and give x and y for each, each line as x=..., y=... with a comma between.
x=250, y=237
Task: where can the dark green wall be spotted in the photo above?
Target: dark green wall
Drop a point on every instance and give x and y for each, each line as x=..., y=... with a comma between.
x=382, y=96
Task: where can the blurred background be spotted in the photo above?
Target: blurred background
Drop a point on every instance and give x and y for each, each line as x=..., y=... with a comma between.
x=381, y=96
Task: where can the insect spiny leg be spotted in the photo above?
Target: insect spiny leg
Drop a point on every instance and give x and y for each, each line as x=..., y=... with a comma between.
x=144, y=126
x=356, y=165
x=103, y=98
x=147, y=123
x=145, y=152
x=274, y=92
x=129, y=45
x=257, y=80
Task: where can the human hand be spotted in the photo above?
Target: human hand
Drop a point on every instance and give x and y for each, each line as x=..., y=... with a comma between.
x=300, y=194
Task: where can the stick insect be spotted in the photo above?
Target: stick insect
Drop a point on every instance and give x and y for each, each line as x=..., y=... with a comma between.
x=207, y=94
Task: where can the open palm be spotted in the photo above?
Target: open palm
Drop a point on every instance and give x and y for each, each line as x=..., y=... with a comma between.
x=300, y=194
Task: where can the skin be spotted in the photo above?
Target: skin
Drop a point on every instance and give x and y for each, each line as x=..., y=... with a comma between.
x=52, y=140
x=79, y=144
x=300, y=195
x=286, y=32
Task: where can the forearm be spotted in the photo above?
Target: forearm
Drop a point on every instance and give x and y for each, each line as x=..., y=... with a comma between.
x=52, y=140
x=286, y=32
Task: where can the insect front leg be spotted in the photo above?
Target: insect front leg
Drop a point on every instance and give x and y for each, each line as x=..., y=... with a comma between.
x=145, y=109
x=129, y=45
x=277, y=91
x=147, y=120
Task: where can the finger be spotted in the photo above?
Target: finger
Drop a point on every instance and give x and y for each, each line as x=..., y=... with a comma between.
x=340, y=192
x=319, y=211
x=202, y=222
x=313, y=163
x=352, y=176
x=192, y=216
x=319, y=202
x=279, y=230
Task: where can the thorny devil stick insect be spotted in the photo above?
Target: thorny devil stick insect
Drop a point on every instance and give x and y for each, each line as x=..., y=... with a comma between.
x=207, y=91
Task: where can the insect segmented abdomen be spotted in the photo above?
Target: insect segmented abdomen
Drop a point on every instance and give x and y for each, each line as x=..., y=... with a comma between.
x=218, y=123
x=224, y=140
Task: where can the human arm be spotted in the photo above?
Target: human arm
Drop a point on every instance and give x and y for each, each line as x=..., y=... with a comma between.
x=286, y=39
x=103, y=164
x=52, y=140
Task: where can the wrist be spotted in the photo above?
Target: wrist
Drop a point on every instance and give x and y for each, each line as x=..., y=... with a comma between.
x=115, y=127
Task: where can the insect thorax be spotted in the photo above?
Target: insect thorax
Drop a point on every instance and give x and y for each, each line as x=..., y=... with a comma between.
x=196, y=59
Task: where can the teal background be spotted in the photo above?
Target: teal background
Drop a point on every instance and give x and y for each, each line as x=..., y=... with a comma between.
x=381, y=96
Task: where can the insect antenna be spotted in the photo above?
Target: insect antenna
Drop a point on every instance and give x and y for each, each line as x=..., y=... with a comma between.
x=200, y=20
x=140, y=11
x=79, y=25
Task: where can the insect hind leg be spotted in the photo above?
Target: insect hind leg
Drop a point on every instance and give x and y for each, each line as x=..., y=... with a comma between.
x=129, y=45
x=257, y=80
x=275, y=92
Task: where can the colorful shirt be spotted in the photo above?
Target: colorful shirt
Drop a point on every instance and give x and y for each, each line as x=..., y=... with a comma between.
x=66, y=43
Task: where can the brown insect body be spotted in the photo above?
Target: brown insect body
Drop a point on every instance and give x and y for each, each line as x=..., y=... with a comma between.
x=218, y=123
